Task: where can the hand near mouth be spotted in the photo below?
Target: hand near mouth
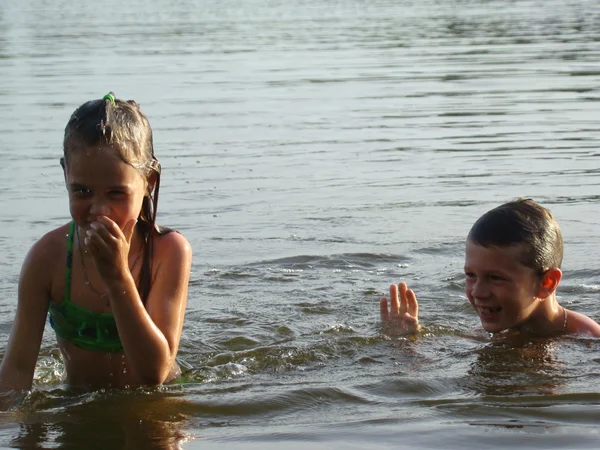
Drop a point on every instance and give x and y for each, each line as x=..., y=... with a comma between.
x=403, y=313
x=109, y=247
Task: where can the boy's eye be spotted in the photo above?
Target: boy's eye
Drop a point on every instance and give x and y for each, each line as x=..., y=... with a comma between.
x=469, y=275
x=117, y=193
x=496, y=278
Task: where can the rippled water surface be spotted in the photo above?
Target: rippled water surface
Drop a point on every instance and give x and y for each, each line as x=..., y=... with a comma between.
x=314, y=152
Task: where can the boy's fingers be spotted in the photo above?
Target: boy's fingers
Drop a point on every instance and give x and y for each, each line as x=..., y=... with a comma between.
x=394, y=302
x=383, y=306
x=413, y=305
x=403, y=301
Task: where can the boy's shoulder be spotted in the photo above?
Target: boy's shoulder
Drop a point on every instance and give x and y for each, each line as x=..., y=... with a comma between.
x=581, y=324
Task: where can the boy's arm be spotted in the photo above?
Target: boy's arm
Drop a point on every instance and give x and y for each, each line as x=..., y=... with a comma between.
x=403, y=313
x=20, y=357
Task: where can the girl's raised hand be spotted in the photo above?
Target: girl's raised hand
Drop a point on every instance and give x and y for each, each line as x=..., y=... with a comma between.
x=109, y=247
x=403, y=313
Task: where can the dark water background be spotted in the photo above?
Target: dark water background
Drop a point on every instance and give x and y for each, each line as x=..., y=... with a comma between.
x=314, y=152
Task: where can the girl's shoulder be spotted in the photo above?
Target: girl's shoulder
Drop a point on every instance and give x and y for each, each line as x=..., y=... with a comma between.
x=46, y=258
x=51, y=245
x=172, y=244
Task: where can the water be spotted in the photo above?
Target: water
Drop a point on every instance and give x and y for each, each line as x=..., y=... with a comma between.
x=313, y=153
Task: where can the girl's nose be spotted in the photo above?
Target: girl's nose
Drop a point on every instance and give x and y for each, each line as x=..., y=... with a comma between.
x=99, y=208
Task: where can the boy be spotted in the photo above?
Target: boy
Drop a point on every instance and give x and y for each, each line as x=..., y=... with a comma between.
x=512, y=266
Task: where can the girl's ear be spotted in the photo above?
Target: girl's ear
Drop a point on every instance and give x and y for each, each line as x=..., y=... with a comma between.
x=549, y=283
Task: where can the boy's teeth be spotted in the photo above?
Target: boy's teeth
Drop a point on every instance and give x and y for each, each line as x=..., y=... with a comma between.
x=489, y=310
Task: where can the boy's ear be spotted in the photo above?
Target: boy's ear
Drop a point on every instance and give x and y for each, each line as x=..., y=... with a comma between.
x=549, y=282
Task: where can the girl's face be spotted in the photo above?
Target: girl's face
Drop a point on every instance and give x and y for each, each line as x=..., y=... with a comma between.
x=500, y=288
x=101, y=184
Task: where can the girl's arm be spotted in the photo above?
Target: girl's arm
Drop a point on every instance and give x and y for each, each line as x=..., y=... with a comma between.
x=20, y=357
x=149, y=334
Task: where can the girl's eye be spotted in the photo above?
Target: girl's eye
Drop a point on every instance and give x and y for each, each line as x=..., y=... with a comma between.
x=469, y=275
x=81, y=191
x=496, y=278
x=117, y=193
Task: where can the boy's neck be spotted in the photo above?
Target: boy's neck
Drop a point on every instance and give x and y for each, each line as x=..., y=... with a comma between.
x=548, y=319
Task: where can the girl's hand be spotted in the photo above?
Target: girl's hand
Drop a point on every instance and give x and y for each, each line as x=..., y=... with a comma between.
x=109, y=247
x=403, y=313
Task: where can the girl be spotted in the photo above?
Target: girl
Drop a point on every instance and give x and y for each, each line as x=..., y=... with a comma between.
x=113, y=283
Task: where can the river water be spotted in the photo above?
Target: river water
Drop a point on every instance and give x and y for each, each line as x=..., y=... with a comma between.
x=314, y=152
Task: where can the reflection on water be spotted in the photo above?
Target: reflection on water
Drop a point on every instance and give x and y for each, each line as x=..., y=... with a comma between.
x=109, y=419
x=313, y=153
x=524, y=368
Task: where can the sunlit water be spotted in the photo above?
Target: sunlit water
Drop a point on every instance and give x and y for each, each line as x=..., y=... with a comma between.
x=314, y=152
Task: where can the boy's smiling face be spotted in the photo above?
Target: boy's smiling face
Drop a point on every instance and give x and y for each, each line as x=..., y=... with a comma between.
x=500, y=288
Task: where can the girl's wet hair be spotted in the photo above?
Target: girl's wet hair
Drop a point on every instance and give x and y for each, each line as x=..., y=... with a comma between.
x=526, y=223
x=118, y=125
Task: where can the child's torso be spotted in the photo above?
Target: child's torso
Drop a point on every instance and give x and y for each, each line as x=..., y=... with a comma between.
x=81, y=317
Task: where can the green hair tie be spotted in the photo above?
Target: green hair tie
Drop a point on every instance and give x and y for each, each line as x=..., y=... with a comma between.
x=109, y=97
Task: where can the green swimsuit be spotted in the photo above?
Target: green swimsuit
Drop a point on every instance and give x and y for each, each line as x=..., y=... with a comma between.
x=84, y=328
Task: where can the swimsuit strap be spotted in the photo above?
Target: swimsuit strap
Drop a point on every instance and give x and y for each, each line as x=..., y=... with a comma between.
x=84, y=328
x=67, y=296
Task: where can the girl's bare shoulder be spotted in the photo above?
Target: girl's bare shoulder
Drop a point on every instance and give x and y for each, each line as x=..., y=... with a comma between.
x=44, y=262
x=173, y=245
x=50, y=246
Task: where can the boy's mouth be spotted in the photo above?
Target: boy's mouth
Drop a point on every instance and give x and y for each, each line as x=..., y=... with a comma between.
x=486, y=310
x=489, y=314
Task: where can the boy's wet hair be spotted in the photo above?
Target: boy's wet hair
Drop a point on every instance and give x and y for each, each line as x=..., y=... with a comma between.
x=526, y=223
x=113, y=124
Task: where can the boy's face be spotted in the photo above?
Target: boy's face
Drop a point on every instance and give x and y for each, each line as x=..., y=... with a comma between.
x=502, y=290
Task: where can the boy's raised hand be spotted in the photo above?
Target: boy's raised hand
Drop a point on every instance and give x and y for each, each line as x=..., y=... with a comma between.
x=403, y=313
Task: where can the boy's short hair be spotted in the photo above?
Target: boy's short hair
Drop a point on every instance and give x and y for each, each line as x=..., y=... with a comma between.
x=522, y=222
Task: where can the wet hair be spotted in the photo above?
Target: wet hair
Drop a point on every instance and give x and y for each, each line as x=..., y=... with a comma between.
x=522, y=222
x=120, y=125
